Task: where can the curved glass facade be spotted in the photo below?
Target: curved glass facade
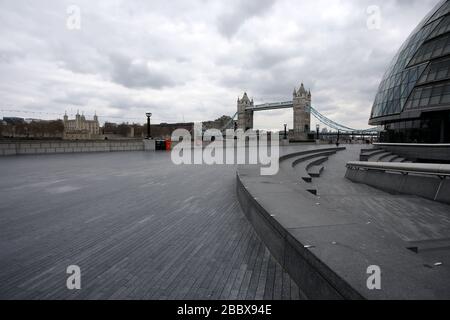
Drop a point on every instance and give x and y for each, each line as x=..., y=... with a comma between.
x=417, y=82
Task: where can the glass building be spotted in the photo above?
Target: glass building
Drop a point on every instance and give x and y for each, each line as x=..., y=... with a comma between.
x=413, y=99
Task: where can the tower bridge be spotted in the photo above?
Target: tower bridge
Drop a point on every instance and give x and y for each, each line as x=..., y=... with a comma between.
x=302, y=108
x=301, y=105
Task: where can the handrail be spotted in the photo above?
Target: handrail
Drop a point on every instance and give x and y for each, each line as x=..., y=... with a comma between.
x=414, y=168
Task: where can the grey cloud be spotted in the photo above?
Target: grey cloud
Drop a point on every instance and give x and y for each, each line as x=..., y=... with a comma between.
x=138, y=74
x=193, y=59
x=239, y=12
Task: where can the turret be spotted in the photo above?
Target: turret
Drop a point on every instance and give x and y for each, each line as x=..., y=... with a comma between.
x=245, y=99
x=245, y=117
x=302, y=116
x=301, y=91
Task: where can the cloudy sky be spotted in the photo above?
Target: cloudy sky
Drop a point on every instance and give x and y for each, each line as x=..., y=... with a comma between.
x=189, y=60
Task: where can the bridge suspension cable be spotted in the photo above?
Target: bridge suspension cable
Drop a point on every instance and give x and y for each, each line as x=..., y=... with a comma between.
x=337, y=126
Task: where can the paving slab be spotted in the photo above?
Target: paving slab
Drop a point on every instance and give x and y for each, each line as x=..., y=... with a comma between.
x=138, y=226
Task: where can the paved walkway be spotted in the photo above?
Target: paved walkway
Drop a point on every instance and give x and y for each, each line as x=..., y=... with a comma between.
x=409, y=217
x=138, y=226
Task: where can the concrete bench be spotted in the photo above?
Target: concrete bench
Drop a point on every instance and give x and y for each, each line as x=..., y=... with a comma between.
x=430, y=181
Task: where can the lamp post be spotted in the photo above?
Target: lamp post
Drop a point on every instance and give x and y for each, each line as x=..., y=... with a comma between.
x=317, y=130
x=337, y=141
x=148, y=114
x=285, y=131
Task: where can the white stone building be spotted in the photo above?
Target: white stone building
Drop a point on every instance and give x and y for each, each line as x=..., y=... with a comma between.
x=80, y=128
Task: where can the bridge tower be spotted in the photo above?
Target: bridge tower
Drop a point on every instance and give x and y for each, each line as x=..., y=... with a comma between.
x=245, y=117
x=302, y=113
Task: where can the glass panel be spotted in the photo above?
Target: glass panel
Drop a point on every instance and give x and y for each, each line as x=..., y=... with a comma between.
x=445, y=99
x=389, y=100
x=431, y=48
x=435, y=100
x=430, y=95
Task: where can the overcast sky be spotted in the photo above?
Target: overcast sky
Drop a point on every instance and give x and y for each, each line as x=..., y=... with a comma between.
x=189, y=60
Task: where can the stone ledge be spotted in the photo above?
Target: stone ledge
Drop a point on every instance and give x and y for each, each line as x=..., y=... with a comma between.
x=40, y=147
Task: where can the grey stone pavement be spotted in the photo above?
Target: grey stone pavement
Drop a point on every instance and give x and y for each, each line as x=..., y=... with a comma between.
x=411, y=218
x=138, y=226
x=351, y=226
x=415, y=220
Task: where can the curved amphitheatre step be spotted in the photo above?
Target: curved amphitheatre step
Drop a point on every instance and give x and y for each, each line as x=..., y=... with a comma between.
x=307, y=165
x=315, y=171
x=390, y=158
x=370, y=149
x=388, y=155
x=379, y=157
x=295, y=166
x=301, y=165
x=288, y=162
x=364, y=156
x=289, y=156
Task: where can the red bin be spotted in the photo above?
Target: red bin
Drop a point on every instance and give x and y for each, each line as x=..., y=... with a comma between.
x=168, y=144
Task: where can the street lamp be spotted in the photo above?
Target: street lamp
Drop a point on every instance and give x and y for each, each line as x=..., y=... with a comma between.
x=148, y=114
x=285, y=131
x=317, y=130
x=338, y=135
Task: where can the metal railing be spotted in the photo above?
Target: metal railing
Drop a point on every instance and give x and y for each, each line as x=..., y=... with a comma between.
x=440, y=170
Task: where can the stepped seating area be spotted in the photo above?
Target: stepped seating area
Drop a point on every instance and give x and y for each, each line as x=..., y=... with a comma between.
x=302, y=163
x=380, y=155
x=315, y=169
x=306, y=165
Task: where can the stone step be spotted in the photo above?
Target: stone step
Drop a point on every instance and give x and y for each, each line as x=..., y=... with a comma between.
x=390, y=158
x=379, y=157
x=365, y=156
x=315, y=171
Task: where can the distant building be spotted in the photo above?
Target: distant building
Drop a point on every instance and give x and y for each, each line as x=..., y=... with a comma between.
x=18, y=128
x=110, y=128
x=165, y=130
x=80, y=128
x=413, y=99
x=30, y=120
x=13, y=120
x=219, y=124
